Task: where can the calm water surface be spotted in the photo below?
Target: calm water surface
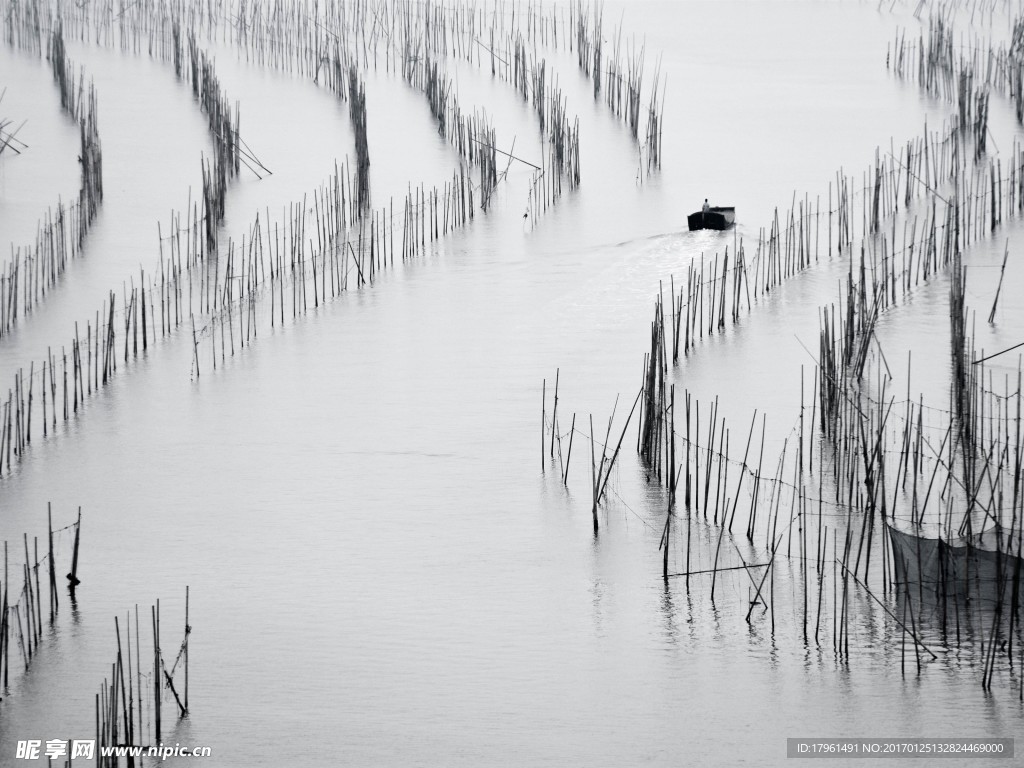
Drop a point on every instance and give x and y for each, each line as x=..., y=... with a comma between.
x=380, y=573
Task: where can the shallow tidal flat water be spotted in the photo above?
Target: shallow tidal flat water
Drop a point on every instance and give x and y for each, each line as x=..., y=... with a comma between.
x=383, y=568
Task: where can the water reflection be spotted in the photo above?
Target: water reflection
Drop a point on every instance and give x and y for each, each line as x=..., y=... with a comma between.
x=668, y=609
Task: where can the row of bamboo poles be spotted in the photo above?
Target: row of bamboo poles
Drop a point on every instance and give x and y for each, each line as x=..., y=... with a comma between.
x=357, y=113
x=296, y=37
x=472, y=136
x=561, y=160
x=849, y=494
x=622, y=81
x=418, y=32
x=900, y=260
x=855, y=517
x=22, y=619
x=426, y=215
x=64, y=381
x=972, y=479
x=223, y=126
x=347, y=239
x=34, y=270
x=130, y=703
x=91, y=158
x=941, y=73
x=214, y=103
x=283, y=262
x=229, y=149
x=963, y=72
x=415, y=35
x=23, y=26
x=316, y=252
x=707, y=492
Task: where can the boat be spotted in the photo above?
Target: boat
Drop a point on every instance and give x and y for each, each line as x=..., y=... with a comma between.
x=716, y=217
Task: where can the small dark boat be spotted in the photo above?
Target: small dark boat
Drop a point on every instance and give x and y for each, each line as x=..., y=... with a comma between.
x=714, y=218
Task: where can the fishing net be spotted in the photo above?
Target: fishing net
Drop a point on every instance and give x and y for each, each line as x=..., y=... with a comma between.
x=984, y=567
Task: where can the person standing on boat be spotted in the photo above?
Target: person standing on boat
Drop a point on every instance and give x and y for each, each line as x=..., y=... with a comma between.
x=706, y=207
